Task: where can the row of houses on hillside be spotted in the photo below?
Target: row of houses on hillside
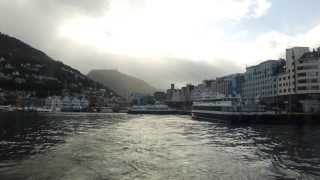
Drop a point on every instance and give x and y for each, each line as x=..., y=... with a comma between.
x=67, y=103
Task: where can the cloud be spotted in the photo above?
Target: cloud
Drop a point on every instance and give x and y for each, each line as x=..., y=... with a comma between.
x=178, y=39
x=269, y=45
x=155, y=40
x=87, y=7
x=167, y=28
x=261, y=7
x=36, y=21
x=145, y=28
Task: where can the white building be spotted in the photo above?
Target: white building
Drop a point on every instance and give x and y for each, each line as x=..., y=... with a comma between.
x=308, y=73
x=67, y=103
x=70, y=103
x=84, y=102
x=209, y=89
x=287, y=81
x=296, y=85
x=53, y=103
x=260, y=81
x=75, y=104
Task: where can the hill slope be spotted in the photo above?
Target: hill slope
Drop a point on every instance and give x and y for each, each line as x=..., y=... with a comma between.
x=23, y=67
x=121, y=83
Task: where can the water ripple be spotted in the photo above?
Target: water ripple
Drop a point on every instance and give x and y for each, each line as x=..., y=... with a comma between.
x=120, y=146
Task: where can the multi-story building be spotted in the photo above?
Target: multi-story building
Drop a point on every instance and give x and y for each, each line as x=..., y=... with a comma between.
x=180, y=98
x=76, y=104
x=299, y=85
x=182, y=95
x=160, y=96
x=226, y=86
x=230, y=85
x=197, y=91
x=54, y=103
x=84, y=103
x=206, y=90
x=307, y=73
x=170, y=92
x=70, y=103
x=260, y=81
x=186, y=92
x=294, y=83
x=287, y=80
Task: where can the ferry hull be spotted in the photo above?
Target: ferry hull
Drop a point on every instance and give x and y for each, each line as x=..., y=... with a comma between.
x=257, y=118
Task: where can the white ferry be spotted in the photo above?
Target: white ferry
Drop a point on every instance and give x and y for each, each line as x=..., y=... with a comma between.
x=230, y=109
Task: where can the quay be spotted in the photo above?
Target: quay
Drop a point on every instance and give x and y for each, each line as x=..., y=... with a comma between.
x=274, y=119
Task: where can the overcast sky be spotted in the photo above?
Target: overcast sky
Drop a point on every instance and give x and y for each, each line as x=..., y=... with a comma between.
x=163, y=41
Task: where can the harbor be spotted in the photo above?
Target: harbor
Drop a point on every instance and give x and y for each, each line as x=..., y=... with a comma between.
x=123, y=146
x=159, y=90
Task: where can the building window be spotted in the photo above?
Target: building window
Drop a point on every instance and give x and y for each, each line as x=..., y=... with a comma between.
x=302, y=81
x=314, y=80
x=302, y=74
x=302, y=88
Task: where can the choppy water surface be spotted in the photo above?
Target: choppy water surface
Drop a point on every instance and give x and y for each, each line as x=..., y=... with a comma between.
x=120, y=146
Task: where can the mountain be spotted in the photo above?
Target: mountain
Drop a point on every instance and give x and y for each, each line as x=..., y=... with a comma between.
x=25, y=68
x=121, y=83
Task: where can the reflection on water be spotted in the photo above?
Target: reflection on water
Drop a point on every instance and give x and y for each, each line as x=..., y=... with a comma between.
x=120, y=146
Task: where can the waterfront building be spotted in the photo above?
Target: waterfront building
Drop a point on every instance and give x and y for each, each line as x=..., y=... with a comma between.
x=160, y=96
x=66, y=103
x=196, y=93
x=180, y=98
x=283, y=84
x=304, y=79
x=221, y=86
x=226, y=86
x=307, y=73
x=75, y=104
x=208, y=89
x=53, y=103
x=288, y=79
x=136, y=98
x=84, y=103
x=293, y=84
x=260, y=81
x=169, y=93
x=230, y=85
x=186, y=92
x=174, y=95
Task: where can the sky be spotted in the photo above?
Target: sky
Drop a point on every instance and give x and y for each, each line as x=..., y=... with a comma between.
x=163, y=41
